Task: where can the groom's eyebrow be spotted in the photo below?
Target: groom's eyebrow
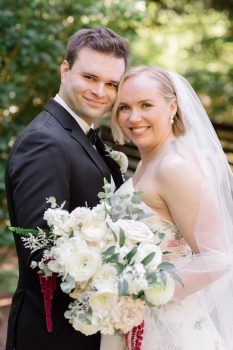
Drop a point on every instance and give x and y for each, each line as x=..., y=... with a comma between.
x=96, y=77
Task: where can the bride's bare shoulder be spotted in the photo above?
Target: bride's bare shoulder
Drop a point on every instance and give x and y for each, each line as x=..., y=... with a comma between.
x=178, y=164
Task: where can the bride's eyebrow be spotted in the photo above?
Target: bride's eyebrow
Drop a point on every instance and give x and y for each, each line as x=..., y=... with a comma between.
x=123, y=104
x=146, y=101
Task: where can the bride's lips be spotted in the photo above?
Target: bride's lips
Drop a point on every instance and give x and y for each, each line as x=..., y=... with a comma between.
x=139, y=131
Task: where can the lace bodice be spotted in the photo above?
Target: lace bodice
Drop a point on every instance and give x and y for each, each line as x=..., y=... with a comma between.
x=166, y=233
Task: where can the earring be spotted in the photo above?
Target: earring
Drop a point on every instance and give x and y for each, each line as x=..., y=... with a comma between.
x=171, y=119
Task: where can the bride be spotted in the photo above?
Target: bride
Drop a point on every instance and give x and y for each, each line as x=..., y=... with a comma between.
x=187, y=183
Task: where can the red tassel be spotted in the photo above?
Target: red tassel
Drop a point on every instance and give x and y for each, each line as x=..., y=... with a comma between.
x=134, y=340
x=48, y=285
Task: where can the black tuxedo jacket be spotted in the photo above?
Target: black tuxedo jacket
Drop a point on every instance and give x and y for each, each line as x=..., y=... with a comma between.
x=52, y=157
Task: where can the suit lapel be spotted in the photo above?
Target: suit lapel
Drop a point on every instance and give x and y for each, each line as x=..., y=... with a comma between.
x=69, y=123
x=79, y=136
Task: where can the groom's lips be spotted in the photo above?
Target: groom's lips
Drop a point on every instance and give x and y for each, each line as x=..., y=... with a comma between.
x=94, y=102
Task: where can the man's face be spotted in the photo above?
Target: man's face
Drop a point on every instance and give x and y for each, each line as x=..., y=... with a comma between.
x=89, y=88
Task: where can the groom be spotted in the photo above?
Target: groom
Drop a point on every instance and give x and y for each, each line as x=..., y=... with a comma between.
x=55, y=157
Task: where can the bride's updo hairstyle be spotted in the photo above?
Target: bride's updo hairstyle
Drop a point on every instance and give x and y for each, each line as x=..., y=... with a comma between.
x=167, y=89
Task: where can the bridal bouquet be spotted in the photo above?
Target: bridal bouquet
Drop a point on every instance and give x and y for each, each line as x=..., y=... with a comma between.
x=108, y=263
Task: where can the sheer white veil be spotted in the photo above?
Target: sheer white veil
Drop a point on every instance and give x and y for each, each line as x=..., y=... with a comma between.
x=215, y=239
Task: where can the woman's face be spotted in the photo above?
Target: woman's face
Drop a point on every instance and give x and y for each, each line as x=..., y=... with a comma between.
x=143, y=113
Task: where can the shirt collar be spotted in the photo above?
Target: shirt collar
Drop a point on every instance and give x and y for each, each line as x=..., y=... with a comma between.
x=82, y=123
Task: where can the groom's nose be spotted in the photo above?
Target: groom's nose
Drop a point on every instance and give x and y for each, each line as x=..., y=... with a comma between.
x=99, y=89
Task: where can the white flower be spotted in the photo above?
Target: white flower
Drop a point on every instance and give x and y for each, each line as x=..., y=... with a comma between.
x=99, y=211
x=74, y=258
x=105, y=278
x=58, y=219
x=146, y=248
x=85, y=266
x=87, y=328
x=161, y=295
x=135, y=275
x=94, y=230
x=103, y=301
x=135, y=231
x=120, y=158
x=127, y=313
x=78, y=216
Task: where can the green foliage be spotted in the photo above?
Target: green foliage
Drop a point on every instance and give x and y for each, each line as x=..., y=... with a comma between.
x=193, y=38
x=34, y=34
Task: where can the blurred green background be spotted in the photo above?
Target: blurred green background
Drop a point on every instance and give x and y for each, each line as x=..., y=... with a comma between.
x=191, y=37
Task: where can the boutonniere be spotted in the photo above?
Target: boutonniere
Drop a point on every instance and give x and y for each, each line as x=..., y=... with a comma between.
x=119, y=157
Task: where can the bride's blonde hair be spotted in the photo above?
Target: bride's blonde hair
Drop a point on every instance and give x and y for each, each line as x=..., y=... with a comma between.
x=167, y=89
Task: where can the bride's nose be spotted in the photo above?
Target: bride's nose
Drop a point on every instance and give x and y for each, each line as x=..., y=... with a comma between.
x=135, y=116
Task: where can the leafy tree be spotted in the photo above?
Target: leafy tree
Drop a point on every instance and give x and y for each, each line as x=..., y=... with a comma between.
x=32, y=46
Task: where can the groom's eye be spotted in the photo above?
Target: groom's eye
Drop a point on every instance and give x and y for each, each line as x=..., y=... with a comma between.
x=89, y=77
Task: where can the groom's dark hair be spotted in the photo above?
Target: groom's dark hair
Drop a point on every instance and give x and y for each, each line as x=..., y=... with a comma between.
x=101, y=39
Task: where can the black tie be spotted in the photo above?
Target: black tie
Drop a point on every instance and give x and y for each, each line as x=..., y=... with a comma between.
x=93, y=135
x=100, y=147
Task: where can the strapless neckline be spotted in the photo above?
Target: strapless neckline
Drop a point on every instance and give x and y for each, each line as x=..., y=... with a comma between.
x=128, y=187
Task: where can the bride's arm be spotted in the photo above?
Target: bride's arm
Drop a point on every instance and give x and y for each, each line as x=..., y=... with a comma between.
x=185, y=192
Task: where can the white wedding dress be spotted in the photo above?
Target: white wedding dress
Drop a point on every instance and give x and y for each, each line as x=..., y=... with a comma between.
x=179, y=325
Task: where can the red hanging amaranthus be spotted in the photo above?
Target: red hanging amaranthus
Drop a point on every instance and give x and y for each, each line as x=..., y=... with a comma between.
x=133, y=339
x=47, y=286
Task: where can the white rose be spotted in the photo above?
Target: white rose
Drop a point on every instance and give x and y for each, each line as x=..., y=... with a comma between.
x=103, y=301
x=84, y=327
x=74, y=258
x=105, y=278
x=135, y=231
x=127, y=313
x=84, y=266
x=94, y=231
x=161, y=295
x=146, y=248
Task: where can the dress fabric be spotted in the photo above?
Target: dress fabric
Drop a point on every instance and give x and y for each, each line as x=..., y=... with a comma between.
x=179, y=325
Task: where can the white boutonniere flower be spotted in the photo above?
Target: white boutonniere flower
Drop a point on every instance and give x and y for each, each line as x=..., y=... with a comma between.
x=119, y=157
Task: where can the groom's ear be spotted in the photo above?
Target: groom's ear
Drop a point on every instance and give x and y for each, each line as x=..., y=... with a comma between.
x=173, y=106
x=64, y=69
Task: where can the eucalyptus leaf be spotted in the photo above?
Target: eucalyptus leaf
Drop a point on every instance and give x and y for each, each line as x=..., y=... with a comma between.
x=163, y=277
x=123, y=287
x=113, y=258
x=110, y=250
x=136, y=199
x=101, y=195
x=122, y=238
x=148, y=259
x=165, y=266
x=161, y=235
x=120, y=267
x=176, y=278
x=131, y=254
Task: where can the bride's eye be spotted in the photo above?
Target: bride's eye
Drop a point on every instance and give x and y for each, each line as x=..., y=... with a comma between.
x=146, y=105
x=123, y=108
